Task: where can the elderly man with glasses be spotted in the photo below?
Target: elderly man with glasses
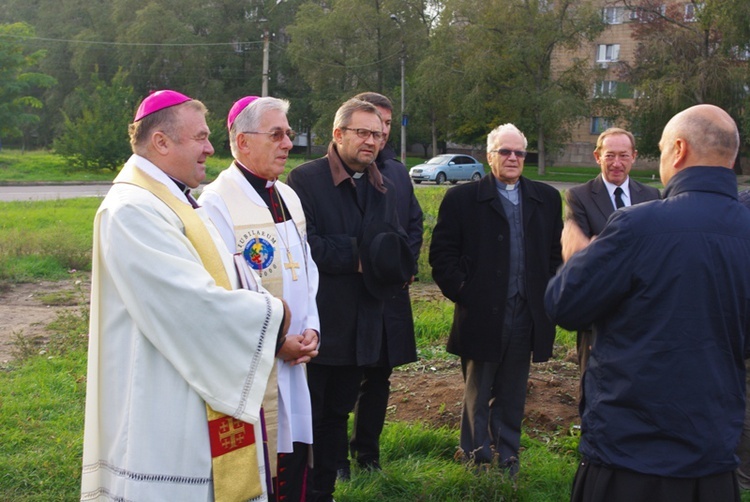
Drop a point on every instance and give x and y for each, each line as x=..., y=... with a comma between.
x=351, y=210
x=495, y=245
x=262, y=222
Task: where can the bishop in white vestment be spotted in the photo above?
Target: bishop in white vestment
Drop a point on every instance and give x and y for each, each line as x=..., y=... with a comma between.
x=262, y=220
x=165, y=339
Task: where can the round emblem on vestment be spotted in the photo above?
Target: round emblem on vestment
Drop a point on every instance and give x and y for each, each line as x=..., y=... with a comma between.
x=258, y=253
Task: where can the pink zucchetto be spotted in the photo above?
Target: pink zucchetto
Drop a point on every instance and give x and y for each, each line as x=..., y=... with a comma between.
x=237, y=108
x=159, y=100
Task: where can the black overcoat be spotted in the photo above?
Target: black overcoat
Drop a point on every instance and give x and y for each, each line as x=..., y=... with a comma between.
x=470, y=253
x=351, y=319
x=401, y=347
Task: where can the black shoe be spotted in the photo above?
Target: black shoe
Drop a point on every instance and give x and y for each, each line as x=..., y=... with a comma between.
x=370, y=465
x=343, y=474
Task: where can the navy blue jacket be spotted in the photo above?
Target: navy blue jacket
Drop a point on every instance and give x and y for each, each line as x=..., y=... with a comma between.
x=667, y=287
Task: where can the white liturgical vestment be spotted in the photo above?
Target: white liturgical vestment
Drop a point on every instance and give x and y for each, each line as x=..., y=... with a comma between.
x=247, y=227
x=164, y=341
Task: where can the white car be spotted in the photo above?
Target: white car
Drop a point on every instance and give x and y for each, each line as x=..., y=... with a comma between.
x=448, y=167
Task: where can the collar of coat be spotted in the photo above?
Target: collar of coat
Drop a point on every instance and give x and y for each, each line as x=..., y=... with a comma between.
x=340, y=174
x=714, y=179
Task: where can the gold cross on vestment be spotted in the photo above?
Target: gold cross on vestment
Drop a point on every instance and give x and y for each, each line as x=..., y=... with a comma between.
x=232, y=433
x=291, y=265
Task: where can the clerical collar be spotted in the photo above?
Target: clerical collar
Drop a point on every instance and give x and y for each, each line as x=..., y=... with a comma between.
x=506, y=186
x=354, y=174
x=186, y=191
x=258, y=183
x=266, y=191
x=182, y=186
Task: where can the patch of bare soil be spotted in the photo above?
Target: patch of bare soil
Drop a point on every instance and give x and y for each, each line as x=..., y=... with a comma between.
x=432, y=391
x=26, y=309
x=426, y=391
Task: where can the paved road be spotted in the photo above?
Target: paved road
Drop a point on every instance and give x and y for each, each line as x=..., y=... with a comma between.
x=52, y=192
x=67, y=191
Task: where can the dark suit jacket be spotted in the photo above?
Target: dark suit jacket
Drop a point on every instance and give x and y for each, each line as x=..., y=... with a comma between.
x=351, y=319
x=470, y=255
x=591, y=206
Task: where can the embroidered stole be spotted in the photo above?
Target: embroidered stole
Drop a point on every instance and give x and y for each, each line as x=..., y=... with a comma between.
x=253, y=232
x=251, y=228
x=236, y=473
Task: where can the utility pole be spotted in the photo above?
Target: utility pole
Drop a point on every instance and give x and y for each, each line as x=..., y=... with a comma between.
x=395, y=18
x=264, y=87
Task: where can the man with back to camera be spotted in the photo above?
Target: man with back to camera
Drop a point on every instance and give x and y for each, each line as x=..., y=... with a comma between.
x=262, y=219
x=494, y=247
x=592, y=203
x=362, y=258
x=178, y=359
x=667, y=287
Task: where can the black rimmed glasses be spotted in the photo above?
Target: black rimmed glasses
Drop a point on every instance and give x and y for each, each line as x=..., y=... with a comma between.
x=365, y=133
x=276, y=135
x=506, y=152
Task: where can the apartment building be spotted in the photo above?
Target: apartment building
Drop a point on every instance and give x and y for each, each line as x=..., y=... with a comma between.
x=615, y=44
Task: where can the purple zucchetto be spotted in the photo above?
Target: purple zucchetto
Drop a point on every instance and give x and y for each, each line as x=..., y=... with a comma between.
x=159, y=100
x=237, y=108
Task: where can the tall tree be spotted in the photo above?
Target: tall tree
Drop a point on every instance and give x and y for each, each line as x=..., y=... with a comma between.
x=95, y=132
x=344, y=47
x=18, y=84
x=507, y=48
x=688, y=54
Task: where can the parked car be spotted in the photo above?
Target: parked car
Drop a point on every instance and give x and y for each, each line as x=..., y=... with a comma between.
x=448, y=167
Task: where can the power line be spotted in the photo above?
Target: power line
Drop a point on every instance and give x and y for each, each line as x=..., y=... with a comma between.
x=132, y=44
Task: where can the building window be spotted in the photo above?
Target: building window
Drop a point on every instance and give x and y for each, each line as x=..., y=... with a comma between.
x=600, y=124
x=691, y=11
x=613, y=15
x=606, y=53
x=605, y=88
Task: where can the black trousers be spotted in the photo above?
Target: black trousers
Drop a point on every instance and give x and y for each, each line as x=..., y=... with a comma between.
x=596, y=483
x=369, y=414
x=333, y=392
x=291, y=479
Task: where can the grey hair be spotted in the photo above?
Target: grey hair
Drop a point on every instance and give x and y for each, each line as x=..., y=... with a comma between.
x=496, y=132
x=249, y=118
x=345, y=112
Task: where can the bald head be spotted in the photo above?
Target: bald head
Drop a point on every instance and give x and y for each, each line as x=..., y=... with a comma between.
x=702, y=135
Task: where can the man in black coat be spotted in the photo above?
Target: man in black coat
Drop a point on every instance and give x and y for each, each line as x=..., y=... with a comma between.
x=399, y=346
x=592, y=203
x=495, y=245
x=345, y=197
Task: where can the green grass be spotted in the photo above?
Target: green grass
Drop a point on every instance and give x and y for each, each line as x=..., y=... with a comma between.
x=45, y=239
x=42, y=395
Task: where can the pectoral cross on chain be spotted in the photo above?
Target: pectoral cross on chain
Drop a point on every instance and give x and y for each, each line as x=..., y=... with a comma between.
x=291, y=265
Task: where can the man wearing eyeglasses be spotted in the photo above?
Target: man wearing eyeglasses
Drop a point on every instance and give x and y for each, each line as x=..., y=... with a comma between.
x=399, y=346
x=494, y=247
x=592, y=203
x=350, y=208
x=261, y=220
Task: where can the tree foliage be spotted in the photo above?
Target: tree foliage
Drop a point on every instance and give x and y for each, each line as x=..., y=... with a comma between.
x=95, y=135
x=18, y=84
x=506, y=49
x=680, y=62
x=469, y=64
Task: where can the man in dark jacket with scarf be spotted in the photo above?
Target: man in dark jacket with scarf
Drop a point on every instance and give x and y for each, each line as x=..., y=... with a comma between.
x=399, y=346
x=667, y=287
x=494, y=247
x=345, y=197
